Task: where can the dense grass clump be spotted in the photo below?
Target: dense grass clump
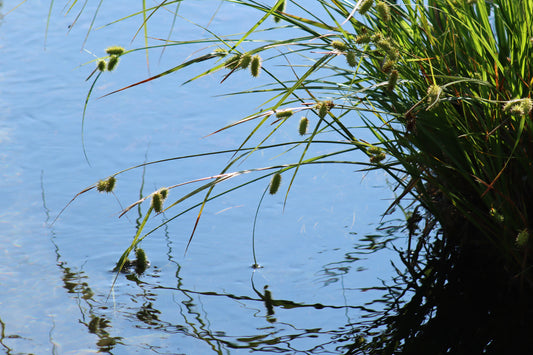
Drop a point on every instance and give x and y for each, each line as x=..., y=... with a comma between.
x=445, y=87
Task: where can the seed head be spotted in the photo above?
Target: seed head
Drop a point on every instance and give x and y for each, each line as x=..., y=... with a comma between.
x=388, y=65
x=280, y=8
x=284, y=114
x=302, y=126
x=393, y=79
x=363, y=38
x=157, y=202
x=373, y=150
x=245, y=60
x=115, y=50
x=274, y=183
x=522, y=238
x=255, y=65
x=106, y=185
x=351, y=59
x=232, y=62
x=377, y=158
x=323, y=107
x=383, y=11
x=365, y=6
x=112, y=64
x=338, y=45
x=164, y=193
x=140, y=257
x=101, y=65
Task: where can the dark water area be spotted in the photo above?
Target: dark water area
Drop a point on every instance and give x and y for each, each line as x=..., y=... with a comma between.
x=325, y=255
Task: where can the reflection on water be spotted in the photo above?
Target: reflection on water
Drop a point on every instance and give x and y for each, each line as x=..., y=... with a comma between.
x=142, y=314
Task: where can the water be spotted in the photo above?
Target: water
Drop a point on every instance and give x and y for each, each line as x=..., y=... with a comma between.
x=56, y=292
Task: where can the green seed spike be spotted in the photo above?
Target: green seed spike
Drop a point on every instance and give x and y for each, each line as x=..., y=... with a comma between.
x=383, y=11
x=351, y=59
x=393, y=79
x=112, y=64
x=164, y=193
x=522, y=237
x=365, y=6
x=101, y=186
x=339, y=45
x=284, y=114
x=280, y=8
x=245, y=60
x=140, y=261
x=302, y=127
x=233, y=61
x=255, y=65
x=157, y=202
x=115, y=50
x=110, y=184
x=274, y=183
x=101, y=65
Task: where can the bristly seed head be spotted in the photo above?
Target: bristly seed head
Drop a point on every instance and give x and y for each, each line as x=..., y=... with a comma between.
x=280, y=8
x=115, y=50
x=245, y=60
x=522, y=238
x=274, y=183
x=323, y=108
x=351, y=59
x=363, y=38
x=377, y=158
x=112, y=64
x=383, y=11
x=233, y=61
x=164, y=193
x=255, y=65
x=284, y=114
x=106, y=185
x=101, y=65
x=393, y=79
x=339, y=45
x=365, y=6
x=519, y=107
x=157, y=202
x=302, y=126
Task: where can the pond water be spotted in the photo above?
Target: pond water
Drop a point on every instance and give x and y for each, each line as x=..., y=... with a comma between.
x=320, y=277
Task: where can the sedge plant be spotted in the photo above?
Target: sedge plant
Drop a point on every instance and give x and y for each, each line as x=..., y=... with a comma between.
x=444, y=87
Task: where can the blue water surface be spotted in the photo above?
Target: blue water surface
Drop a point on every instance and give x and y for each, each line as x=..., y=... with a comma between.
x=56, y=278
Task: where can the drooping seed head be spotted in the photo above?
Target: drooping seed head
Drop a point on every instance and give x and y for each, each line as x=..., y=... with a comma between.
x=522, y=238
x=280, y=8
x=255, y=65
x=245, y=60
x=339, y=45
x=373, y=150
x=110, y=184
x=284, y=114
x=115, y=50
x=365, y=6
x=351, y=59
x=233, y=61
x=302, y=126
x=383, y=11
x=377, y=158
x=101, y=65
x=157, y=202
x=112, y=64
x=388, y=65
x=393, y=79
x=274, y=183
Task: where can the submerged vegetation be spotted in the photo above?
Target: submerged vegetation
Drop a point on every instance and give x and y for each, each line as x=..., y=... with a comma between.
x=444, y=87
